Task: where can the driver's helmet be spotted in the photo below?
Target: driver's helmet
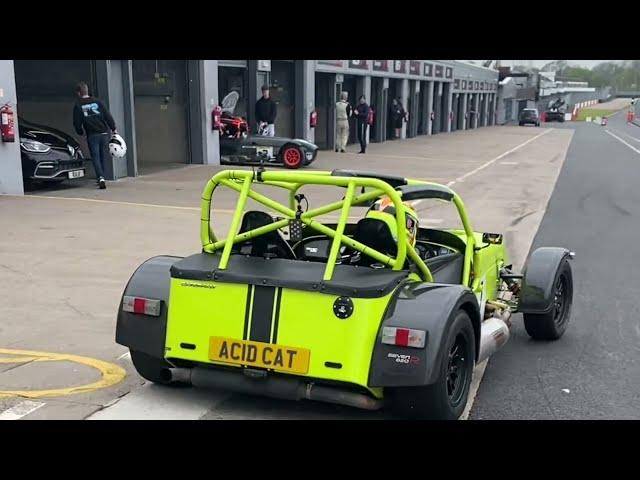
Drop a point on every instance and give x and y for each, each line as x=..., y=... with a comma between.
x=385, y=210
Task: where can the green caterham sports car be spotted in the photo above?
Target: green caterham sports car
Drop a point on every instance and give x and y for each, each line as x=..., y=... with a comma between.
x=377, y=312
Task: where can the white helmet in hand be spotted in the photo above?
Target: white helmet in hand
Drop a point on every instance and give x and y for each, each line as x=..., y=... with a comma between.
x=117, y=147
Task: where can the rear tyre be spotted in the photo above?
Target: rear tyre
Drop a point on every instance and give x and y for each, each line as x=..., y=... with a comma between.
x=552, y=325
x=447, y=397
x=150, y=368
x=292, y=156
x=521, y=124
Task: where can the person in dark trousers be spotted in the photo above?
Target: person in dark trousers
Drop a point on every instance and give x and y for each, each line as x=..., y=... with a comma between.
x=362, y=117
x=266, y=112
x=92, y=118
x=396, y=115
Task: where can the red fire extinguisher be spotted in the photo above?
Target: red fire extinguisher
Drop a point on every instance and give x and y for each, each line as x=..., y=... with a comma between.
x=216, y=118
x=313, y=119
x=7, y=124
x=371, y=116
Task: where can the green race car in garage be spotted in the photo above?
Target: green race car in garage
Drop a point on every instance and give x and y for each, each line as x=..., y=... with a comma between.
x=378, y=312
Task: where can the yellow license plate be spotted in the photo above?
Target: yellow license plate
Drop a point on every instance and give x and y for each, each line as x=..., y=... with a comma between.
x=258, y=354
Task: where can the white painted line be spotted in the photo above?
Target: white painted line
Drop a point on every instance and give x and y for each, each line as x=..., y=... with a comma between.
x=635, y=139
x=622, y=141
x=126, y=356
x=157, y=402
x=490, y=162
x=114, y=202
x=20, y=410
x=493, y=160
x=432, y=220
x=478, y=373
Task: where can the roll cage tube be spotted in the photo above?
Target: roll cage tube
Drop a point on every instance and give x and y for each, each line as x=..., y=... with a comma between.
x=241, y=181
x=470, y=244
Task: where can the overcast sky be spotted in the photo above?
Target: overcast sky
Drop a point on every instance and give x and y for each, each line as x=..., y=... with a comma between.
x=542, y=63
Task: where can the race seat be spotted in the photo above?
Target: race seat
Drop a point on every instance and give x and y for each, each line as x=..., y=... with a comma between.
x=376, y=234
x=270, y=244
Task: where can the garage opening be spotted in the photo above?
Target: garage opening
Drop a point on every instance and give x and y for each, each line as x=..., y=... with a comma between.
x=349, y=85
x=472, y=110
x=394, y=91
x=235, y=79
x=444, y=115
x=522, y=104
x=460, y=111
x=437, y=108
x=455, y=103
x=325, y=108
x=282, y=92
x=46, y=92
x=413, y=105
x=422, y=108
x=483, y=110
x=378, y=103
x=161, y=103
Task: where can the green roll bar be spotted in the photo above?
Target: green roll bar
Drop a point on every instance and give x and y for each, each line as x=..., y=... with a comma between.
x=242, y=181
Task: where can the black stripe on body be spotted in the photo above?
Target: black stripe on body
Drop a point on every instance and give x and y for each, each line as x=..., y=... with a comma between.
x=276, y=316
x=247, y=308
x=262, y=313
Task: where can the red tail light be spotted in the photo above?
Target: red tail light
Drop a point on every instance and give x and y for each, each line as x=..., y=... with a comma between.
x=404, y=337
x=145, y=306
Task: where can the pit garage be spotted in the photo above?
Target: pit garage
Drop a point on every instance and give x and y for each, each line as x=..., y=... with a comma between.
x=394, y=91
x=46, y=91
x=161, y=104
x=325, y=94
x=282, y=92
x=46, y=96
x=379, y=103
x=436, y=125
x=234, y=77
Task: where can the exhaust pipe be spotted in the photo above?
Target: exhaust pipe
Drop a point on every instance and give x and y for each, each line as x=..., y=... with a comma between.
x=341, y=397
x=271, y=386
x=494, y=333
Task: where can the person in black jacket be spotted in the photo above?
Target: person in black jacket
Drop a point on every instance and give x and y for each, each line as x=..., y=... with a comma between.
x=92, y=118
x=395, y=117
x=362, y=116
x=266, y=111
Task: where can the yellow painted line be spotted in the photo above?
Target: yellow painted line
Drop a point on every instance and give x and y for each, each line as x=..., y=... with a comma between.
x=20, y=359
x=213, y=210
x=110, y=374
x=115, y=202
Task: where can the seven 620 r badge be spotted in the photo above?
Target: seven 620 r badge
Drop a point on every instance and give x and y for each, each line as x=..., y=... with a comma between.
x=401, y=358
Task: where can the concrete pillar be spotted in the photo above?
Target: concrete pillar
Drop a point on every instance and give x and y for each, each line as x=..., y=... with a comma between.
x=496, y=106
x=366, y=91
x=10, y=163
x=305, y=94
x=129, y=119
x=429, y=94
x=382, y=115
x=414, y=93
x=486, y=110
x=404, y=95
x=448, y=93
x=476, y=108
x=463, y=99
x=110, y=77
x=208, y=98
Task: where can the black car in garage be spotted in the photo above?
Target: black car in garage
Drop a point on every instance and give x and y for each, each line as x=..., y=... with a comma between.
x=48, y=155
